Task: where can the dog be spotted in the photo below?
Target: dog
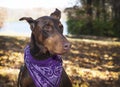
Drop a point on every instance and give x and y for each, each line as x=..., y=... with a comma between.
x=46, y=46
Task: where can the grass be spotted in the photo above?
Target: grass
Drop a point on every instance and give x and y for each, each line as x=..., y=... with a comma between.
x=90, y=62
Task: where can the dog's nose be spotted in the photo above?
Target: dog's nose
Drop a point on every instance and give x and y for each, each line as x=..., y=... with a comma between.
x=67, y=46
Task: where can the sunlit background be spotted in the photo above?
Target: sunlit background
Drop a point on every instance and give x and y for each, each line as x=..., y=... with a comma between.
x=25, y=4
x=12, y=10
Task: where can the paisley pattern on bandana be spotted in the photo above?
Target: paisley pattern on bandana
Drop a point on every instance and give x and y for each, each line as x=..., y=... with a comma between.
x=45, y=73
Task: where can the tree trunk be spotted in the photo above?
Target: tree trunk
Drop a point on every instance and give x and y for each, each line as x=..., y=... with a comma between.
x=104, y=10
x=90, y=16
x=97, y=2
x=89, y=7
x=116, y=10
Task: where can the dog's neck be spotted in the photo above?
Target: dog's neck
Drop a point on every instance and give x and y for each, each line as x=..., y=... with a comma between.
x=38, y=51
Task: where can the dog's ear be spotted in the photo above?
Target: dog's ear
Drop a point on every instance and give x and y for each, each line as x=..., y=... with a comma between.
x=56, y=14
x=30, y=21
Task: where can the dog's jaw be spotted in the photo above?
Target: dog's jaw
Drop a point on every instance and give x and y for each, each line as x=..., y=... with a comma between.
x=39, y=52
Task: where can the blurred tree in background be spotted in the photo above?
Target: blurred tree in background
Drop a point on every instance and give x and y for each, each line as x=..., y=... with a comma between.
x=94, y=17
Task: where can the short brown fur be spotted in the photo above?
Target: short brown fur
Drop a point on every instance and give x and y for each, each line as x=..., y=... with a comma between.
x=46, y=40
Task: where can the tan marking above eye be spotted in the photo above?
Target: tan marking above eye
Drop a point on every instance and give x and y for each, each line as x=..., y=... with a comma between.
x=48, y=27
x=60, y=25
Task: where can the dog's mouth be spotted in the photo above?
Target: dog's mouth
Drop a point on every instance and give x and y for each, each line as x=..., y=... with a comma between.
x=56, y=52
x=59, y=50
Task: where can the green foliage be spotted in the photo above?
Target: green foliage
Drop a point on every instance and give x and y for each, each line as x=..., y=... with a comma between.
x=116, y=26
x=103, y=28
x=74, y=26
x=99, y=28
x=95, y=17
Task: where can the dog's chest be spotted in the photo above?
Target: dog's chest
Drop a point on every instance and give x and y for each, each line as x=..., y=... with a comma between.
x=46, y=73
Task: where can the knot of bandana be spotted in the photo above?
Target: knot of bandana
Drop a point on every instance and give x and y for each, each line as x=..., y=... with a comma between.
x=45, y=73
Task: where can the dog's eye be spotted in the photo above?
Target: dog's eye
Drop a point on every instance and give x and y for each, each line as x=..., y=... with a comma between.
x=48, y=27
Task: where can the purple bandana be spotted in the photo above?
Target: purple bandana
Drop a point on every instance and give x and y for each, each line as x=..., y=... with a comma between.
x=45, y=73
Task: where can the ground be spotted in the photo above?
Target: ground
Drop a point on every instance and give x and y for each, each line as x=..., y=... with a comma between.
x=91, y=62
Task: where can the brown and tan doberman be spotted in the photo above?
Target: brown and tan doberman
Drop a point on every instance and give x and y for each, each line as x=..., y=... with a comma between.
x=47, y=40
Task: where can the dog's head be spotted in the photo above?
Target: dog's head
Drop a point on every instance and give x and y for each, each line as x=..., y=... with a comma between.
x=48, y=33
